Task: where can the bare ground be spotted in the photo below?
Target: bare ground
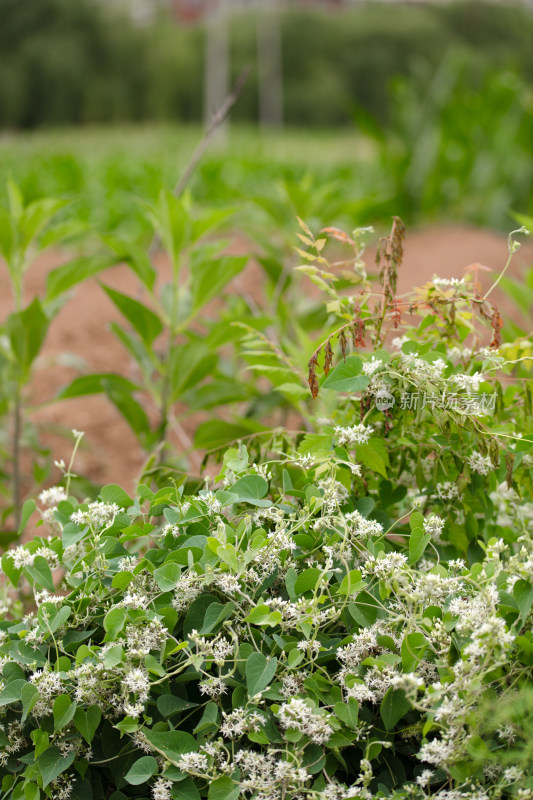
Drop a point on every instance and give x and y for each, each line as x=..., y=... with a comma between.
x=81, y=329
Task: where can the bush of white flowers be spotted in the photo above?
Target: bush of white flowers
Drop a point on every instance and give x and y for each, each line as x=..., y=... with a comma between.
x=342, y=613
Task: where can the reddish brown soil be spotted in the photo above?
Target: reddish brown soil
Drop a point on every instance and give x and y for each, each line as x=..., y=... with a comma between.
x=111, y=453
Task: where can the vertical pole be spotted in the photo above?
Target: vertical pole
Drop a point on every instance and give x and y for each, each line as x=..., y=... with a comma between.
x=270, y=65
x=216, y=72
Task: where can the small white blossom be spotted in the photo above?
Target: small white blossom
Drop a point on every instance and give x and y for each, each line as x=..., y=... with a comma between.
x=53, y=496
x=298, y=715
x=479, y=463
x=470, y=383
x=357, y=434
x=372, y=366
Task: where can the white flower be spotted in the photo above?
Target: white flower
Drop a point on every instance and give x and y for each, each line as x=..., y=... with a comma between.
x=193, y=762
x=470, y=383
x=137, y=681
x=390, y=565
x=480, y=464
x=298, y=715
x=448, y=281
x=434, y=525
x=372, y=366
x=425, y=777
x=21, y=557
x=357, y=434
x=161, y=789
x=239, y=722
x=360, y=526
x=305, y=460
x=447, y=490
x=213, y=505
x=53, y=496
x=334, y=493
x=97, y=514
x=398, y=341
x=438, y=752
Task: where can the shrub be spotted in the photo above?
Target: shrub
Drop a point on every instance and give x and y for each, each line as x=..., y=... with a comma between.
x=334, y=615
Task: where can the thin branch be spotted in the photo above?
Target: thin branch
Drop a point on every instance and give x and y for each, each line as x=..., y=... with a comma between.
x=203, y=144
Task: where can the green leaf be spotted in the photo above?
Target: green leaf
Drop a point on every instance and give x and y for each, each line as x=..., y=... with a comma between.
x=7, y=236
x=346, y=376
x=52, y=764
x=31, y=791
x=27, y=331
x=27, y=510
x=187, y=790
x=112, y=493
x=96, y=383
x=114, y=622
x=412, y=650
x=141, y=771
x=209, y=718
x=196, y=613
x=142, y=319
x=373, y=455
x=87, y=722
x=9, y=569
x=259, y=672
x=365, y=609
x=523, y=594
x=393, y=707
x=188, y=365
x=137, y=259
x=351, y=583
x=12, y=692
x=418, y=541
x=29, y=695
x=41, y=741
x=215, y=615
x=52, y=617
x=214, y=434
x=41, y=573
x=209, y=276
x=250, y=489
x=113, y=656
x=172, y=221
x=62, y=278
x=167, y=576
x=347, y=712
x=306, y=580
x=131, y=410
x=228, y=555
x=210, y=219
x=36, y=215
x=172, y=744
x=169, y=704
x=416, y=520
x=223, y=788
x=63, y=710
x=261, y=615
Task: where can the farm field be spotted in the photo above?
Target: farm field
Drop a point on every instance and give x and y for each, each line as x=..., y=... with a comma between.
x=266, y=485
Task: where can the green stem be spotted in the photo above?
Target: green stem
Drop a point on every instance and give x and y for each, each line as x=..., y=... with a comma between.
x=17, y=425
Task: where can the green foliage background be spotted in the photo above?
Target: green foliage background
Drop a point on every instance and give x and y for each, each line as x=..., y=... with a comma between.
x=65, y=62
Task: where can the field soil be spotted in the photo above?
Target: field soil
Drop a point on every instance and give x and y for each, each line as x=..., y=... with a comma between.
x=80, y=339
